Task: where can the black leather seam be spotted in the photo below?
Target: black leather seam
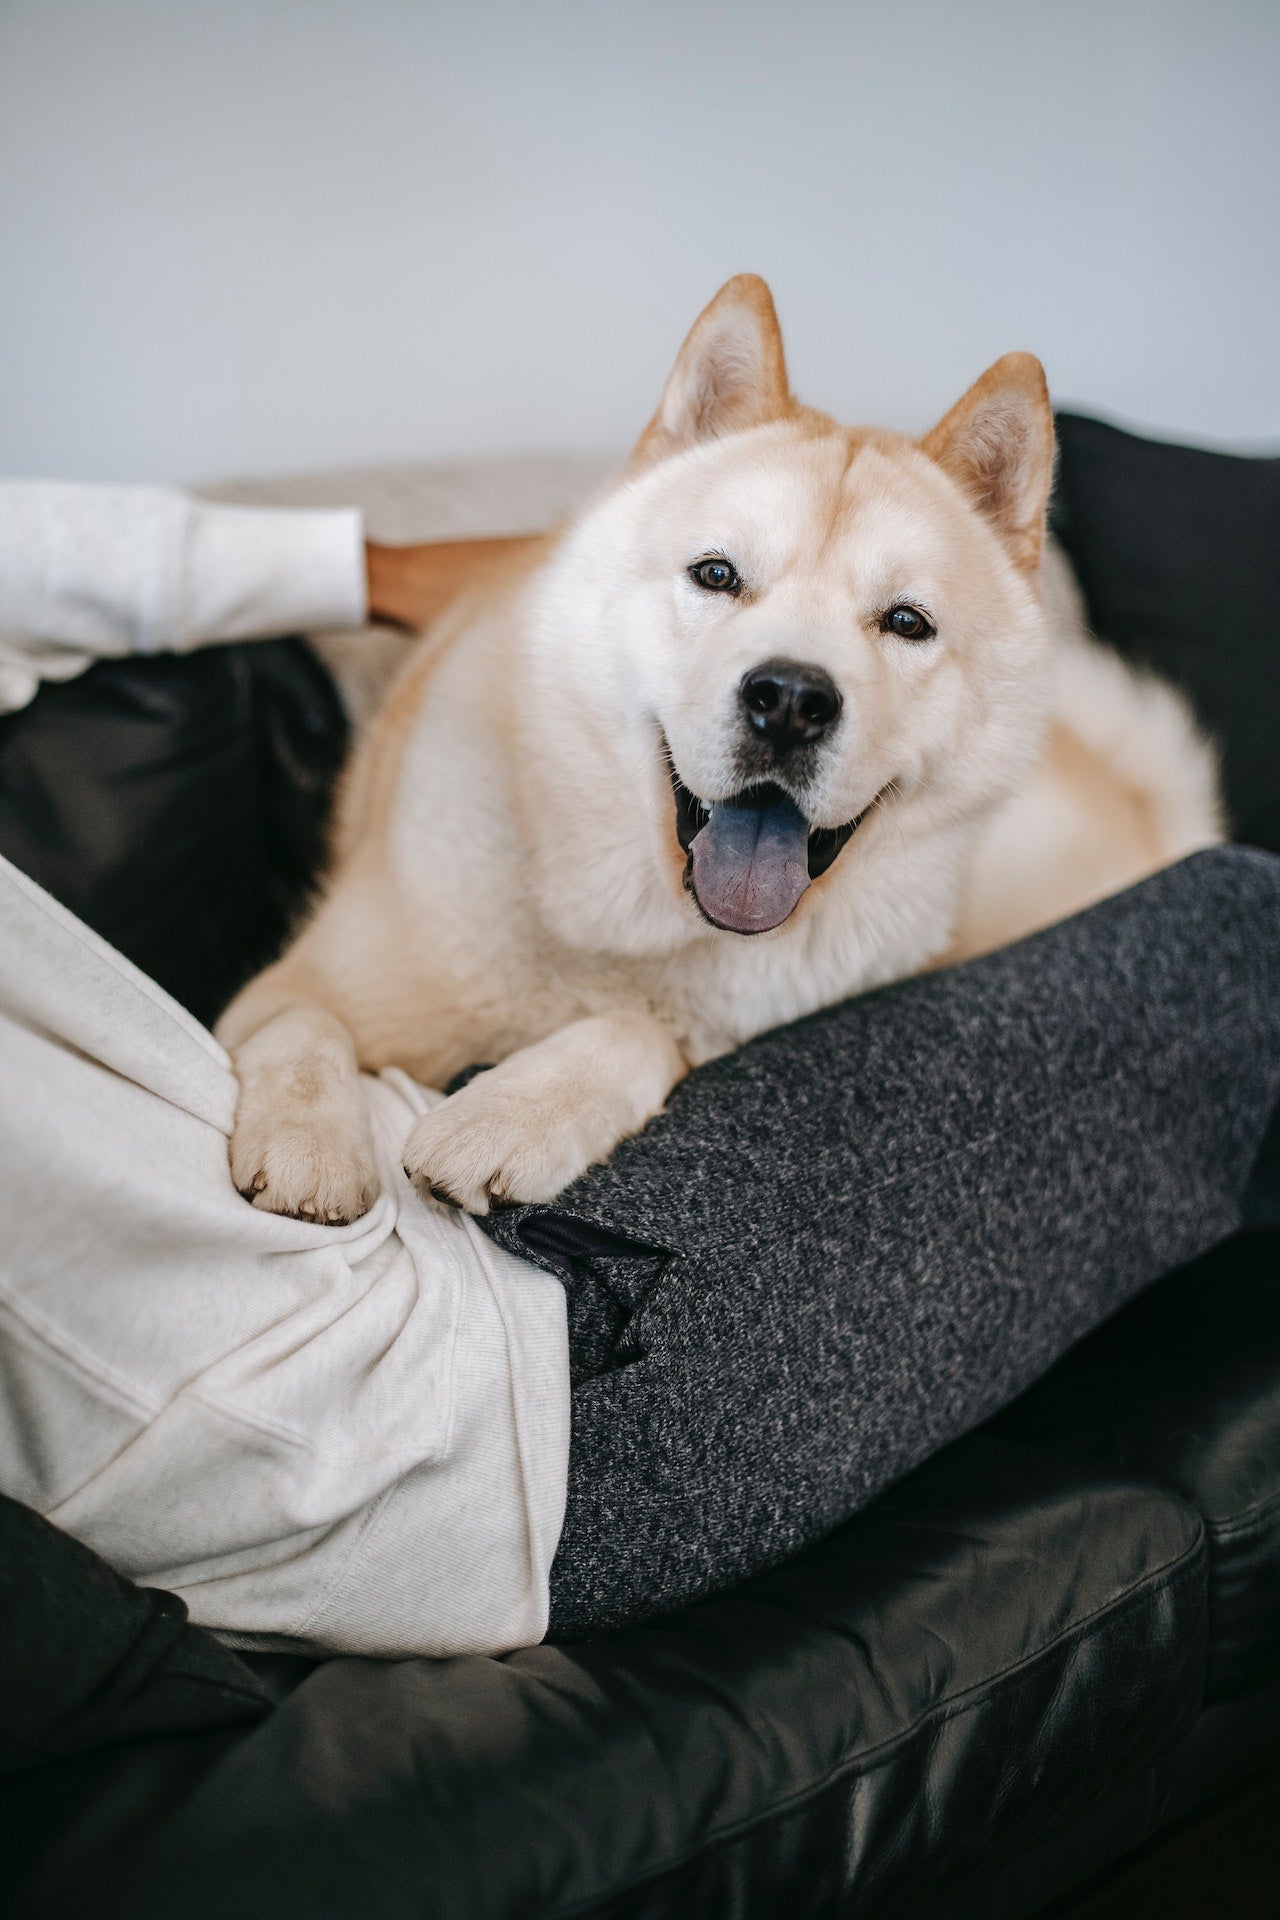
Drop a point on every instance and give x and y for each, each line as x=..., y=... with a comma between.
x=1172, y=1575
x=1252, y=1517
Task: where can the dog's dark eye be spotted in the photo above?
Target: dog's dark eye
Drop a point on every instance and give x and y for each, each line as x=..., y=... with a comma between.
x=908, y=623
x=717, y=575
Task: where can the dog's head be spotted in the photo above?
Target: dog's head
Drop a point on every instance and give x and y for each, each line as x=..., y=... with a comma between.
x=802, y=632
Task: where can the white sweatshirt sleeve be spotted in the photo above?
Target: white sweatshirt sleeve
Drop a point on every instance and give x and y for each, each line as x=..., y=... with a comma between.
x=86, y=571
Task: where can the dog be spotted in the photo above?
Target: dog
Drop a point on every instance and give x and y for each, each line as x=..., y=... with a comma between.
x=781, y=716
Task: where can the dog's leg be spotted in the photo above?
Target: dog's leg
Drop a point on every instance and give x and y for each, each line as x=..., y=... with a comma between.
x=302, y=1143
x=524, y=1129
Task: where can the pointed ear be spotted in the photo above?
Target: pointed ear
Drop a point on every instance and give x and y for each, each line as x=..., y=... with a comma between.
x=997, y=443
x=730, y=373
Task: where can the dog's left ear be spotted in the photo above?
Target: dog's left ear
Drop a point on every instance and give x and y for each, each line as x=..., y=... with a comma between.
x=730, y=373
x=997, y=443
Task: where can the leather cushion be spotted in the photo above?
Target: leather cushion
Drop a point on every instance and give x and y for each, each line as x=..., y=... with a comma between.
x=967, y=1665
x=219, y=763
x=1183, y=1387
x=87, y=1659
x=1178, y=553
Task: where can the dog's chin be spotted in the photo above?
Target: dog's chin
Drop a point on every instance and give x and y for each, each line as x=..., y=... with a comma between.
x=749, y=859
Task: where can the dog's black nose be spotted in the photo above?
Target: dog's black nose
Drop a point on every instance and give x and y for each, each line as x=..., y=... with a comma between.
x=789, y=704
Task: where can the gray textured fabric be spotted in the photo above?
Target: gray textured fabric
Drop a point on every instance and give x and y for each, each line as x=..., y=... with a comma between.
x=857, y=1237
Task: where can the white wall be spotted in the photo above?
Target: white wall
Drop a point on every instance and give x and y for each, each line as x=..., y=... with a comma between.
x=246, y=235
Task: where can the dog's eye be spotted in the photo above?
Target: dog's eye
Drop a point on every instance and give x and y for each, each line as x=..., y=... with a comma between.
x=907, y=623
x=716, y=574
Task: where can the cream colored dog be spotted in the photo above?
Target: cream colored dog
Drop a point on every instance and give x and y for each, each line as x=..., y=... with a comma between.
x=776, y=719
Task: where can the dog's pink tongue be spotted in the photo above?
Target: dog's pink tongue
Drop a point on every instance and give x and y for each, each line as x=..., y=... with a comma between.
x=751, y=864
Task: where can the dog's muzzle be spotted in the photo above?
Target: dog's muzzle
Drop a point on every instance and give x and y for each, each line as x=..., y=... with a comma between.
x=751, y=857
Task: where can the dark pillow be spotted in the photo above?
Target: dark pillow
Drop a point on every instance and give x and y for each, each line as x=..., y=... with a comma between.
x=89, y=1660
x=1178, y=553
x=178, y=804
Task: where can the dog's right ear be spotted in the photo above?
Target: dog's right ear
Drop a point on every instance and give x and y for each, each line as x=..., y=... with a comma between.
x=730, y=374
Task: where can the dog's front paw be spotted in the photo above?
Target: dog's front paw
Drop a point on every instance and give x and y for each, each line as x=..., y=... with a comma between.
x=524, y=1130
x=490, y=1146
x=310, y=1168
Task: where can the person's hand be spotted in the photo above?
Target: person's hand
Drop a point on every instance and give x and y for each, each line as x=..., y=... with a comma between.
x=411, y=586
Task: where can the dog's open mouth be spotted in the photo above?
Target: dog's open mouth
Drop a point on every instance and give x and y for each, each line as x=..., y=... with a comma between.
x=751, y=857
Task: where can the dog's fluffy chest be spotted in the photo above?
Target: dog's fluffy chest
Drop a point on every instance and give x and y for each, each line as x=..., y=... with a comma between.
x=892, y=915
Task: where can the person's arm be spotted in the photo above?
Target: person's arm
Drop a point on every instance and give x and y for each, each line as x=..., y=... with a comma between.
x=116, y=570
x=87, y=571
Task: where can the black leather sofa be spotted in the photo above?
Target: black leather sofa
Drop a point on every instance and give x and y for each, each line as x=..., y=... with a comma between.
x=1046, y=1644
